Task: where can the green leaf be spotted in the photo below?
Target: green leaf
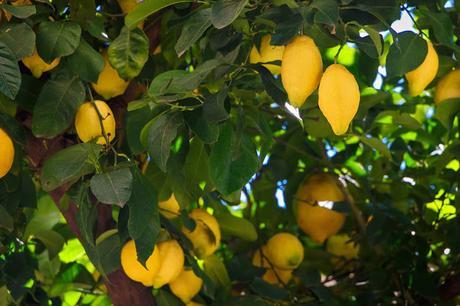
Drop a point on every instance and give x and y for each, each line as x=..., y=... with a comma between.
x=272, y=86
x=267, y=290
x=44, y=218
x=69, y=164
x=86, y=62
x=106, y=255
x=192, y=30
x=22, y=12
x=397, y=118
x=6, y=221
x=327, y=11
x=129, y=52
x=215, y=269
x=144, y=219
x=377, y=145
x=447, y=110
x=207, y=131
x=224, y=12
x=160, y=134
x=147, y=8
x=52, y=240
x=164, y=298
x=376, y=38
x=82, y=11
x=20, y=38
x=406, y=53
x=10, y=76
x=315, y=124
x=7, y=105
x=442, y=25
x=87, y=211
x=235, y=226
x=233, y=160
x=196, y=167
x=113, y=187
x=57, y=38
x=56, y=106
x=214, y=106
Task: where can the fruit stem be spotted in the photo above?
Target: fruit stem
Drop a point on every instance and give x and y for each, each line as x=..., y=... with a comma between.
x=101, y=119
x=338, y=53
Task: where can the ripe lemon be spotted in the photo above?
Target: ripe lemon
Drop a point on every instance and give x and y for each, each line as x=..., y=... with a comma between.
x=285, y=251
x=419, y=78
x=170, y=208
x=186, y=285
x=338, y=97
x=320, y=187
x=206, y=235
x=88, y=125
x=267, y=53
x=109, y=84
x=342, y=246
x=259, y=259
x=301, y=69
x=6, y=153
x=171, y=262
x=134, y=269
x=37, y=65
x=448, y=87
x=277, y=277
x=192, y=303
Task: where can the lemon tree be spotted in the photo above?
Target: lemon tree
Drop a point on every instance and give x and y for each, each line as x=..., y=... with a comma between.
x=229, y=152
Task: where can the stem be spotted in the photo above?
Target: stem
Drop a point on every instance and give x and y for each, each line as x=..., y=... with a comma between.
x=101, y=119
x=355, y=210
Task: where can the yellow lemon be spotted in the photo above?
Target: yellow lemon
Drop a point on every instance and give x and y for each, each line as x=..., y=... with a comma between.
x=301, y=69
x=6, y=153
x=448, y=87
x=285, y=251
x=320, y=187
x=206, y=235
x=109, y=84
x=88, y=125
x=186, y=285
x=134, y=269
x=171, y=262
x=277, y=277
x=267, y=53
x=259, y=259
x=37, y=65
x=338, y=97
x=192, y=303
x=170, y=208
x=342, y=246
x=419, y=78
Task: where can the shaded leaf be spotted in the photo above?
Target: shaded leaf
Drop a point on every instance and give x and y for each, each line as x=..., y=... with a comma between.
x=86, y=62
x=192, y=30
x=20, y=38
x=10, y=76
x=57, y=38
x=113, y=187
x=224, y=12
x=406, y=53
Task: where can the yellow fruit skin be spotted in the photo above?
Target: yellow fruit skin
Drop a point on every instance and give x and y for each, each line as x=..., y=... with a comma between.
x=261, y=261
x=134, y=269
x=127, y=5
x=277, y=277
x=285, y=251
x=419, y=78
x=448, y=87
x=186, y=285
x=109, y=84
x=171, y=262
x=342, y=246
x=206, y=235
x=88, y=125
x=320, y=187
x=301, y=69
x=267, y=53
x=6, y=153
x=170, y=208
x=338, y=97
x=37, y=65
x=192, y=303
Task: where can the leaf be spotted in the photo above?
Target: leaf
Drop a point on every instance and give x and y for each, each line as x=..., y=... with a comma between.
x=272, y=86
x=56, y=106
x=20, y=38
x=214, y=106
x=10, y=76
x=69, y=164
x=233, y=160
x=147, y=8
x=224, y=12
x=207, y=131
x=6, y=221
x=52, y=240
x=86, y=62
x=57, y=38
x=7, y=105
x=192, y=30
x=113, y=187
x=377, y=145
x=215, y=269
x=196, y=167
x=267, y=290
x=164, y=298
x=129, y=52
x=397, y=118
x=144, y=219
x=160, y=134
x=22, y=12
x=236, y=226
x=376, y=39
x=87, y=212
x=442, y=25
x=447, y=110
x=106, y=255
x=327, y=11
x=406, y=53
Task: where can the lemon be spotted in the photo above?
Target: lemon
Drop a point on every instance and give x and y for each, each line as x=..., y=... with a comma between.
x=206, y=235
x=342, y=246
x=170, y=208
x=171, y=262
x=319, y=222
x=338, y=97
x=127, y=5
x=419, y=78
x=259, y=259
x=109, y=84
x=186, y=285
x=6, y=153
x=37, y=65
x=301, y=69
x=192, y=303
x=277, y=277
x=134, y=269
x=87, y=122
x=285, y=251
x=267, y=53
x=448, y=87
